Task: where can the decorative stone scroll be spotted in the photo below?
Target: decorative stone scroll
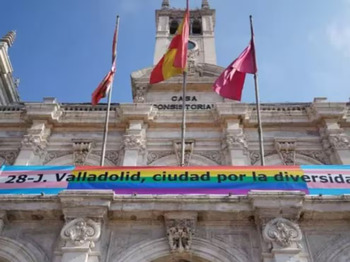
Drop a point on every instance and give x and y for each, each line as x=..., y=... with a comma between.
x=237, y=140
x=282, y=233
x=320, y=156
x=113, y=156
x=132, y=142
x=37, y=143
x=180, y=231
x=8, y=157
x=81, y=231
x=155, y=155
x=54, y=154
x=216, y=156
x=341, y=141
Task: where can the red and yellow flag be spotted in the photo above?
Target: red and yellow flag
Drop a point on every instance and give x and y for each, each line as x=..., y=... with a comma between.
x=175, y=59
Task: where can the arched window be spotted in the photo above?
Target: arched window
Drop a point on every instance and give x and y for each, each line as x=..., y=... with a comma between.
x=197, y=27
x=173, y=26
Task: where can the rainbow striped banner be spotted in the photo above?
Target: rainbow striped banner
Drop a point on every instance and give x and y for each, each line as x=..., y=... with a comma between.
x=326, y=180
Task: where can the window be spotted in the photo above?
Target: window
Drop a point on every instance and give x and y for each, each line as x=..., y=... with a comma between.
x=197, y=27
x=173, y=26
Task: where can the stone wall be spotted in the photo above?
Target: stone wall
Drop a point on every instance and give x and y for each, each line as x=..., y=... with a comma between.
x=51, y=133
x=263, y=226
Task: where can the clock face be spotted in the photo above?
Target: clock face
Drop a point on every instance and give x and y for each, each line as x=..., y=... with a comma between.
x=191, y=45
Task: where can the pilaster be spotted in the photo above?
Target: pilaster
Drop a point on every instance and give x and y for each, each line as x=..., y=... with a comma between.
x=85, y=213
x=235, y=144
x=276, y=217
x=335, y=142
x=136, y=117
x=34, y=143
x=134, y=143
x=234, y=141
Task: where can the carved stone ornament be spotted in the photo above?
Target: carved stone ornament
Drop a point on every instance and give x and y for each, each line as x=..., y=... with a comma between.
x=189, y=145
x=54, y=154
x=113, y=156
x=180, y=233
x=134, y=142
x=286, y=151
x=36, y=143
x=194, y=68
x=320, y=156
x=81, y=151
x=339, y=141
x=155, y=155
x=140, y=94
x=81, y=231
x=282, y=232
x=36, y=139
x=215, y=156
x=254, y=157
x=237, y=140
x=8, y=157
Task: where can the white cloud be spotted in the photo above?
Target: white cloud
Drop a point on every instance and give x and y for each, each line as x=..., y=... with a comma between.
x=338, y=34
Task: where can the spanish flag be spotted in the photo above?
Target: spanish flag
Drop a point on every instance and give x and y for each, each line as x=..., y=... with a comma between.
x=174, y=61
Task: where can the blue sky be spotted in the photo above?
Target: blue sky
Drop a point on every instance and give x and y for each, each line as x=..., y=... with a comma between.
x=63, y=48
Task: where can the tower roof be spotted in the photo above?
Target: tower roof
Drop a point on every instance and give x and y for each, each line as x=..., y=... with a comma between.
x=165, y=4
x=205, y=4
x=9, y=38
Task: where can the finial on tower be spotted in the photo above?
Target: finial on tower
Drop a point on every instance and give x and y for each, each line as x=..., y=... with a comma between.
x=205, y=4
x=165, y=4
x=9, y=38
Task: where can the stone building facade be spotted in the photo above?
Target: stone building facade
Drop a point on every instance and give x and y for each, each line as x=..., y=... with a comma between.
x=99, y=226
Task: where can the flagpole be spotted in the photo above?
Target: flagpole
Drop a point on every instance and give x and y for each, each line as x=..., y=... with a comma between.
x=261, y=142
x=105, y=133
x=183, y=129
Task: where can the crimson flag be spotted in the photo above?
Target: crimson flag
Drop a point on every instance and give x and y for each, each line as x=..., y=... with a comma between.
x=230, y=83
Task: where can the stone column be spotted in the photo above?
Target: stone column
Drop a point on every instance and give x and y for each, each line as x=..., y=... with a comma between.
x=134, y=142
x=85, y=214
x=276, y=216
x=235, y=143
x=34, y=144
x=42, y=116
x=335, y=142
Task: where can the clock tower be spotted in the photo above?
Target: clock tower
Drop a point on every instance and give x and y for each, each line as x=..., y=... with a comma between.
x=202, y=70
x=202, y=24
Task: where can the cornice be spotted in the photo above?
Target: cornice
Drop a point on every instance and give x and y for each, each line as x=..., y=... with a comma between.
x=264, y=204
x=144, y=112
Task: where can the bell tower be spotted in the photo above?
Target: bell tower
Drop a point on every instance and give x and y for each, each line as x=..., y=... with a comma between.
x=202, y=39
